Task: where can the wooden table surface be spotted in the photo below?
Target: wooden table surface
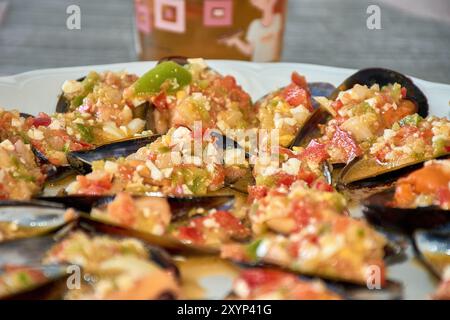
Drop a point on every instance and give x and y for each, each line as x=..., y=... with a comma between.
x=33, y=35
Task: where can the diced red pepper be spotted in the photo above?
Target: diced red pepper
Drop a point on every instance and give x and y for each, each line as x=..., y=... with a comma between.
x=403, y=92
x=336, y=105
x=228, y=222
x=308, y=176
x=444, y=197
x=257, y=192
x=323, y=186
x=257, y=277
x=42, y=120
x=315, y=152
x=189, y=233
x=299, y=80
x=344, y=141
x=284, y=179
x=294, y=95
x=160, y=101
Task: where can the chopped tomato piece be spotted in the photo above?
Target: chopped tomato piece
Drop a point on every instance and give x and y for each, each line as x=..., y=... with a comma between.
x=42, y=120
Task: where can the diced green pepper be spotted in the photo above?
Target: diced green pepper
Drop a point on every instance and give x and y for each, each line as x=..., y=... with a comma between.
x=86, y=132
x=252, y=249
x=152, y=80
x=411, y=120
x=88, y=86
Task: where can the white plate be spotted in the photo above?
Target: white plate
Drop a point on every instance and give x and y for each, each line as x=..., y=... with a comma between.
x=37, y=91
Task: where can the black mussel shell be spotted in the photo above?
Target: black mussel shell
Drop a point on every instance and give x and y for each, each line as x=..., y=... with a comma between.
x=433, y=247
x=378, y=210
x=320, y=89
x=63, y=105
x=51, y=287
x=81, y=161
x=367, y=172
x=311, y=129
x=392, y=290
x=167, y=242
x=52, y=172
x=180, y=206
x=32, y=218
x=181, y=60
x=383, y=77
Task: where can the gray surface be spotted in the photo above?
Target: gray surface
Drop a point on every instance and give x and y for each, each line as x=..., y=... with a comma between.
x=33, y=35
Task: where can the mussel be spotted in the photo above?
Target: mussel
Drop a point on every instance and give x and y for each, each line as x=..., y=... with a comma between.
x=367, y=77
x=38, y=251
x=81, y=161
x=433, y=247
x=141, y=111
x=31, y=218
x=43, y=282
x=380, y=210
x=368, y=172
x=181, y=209
x=383, y=77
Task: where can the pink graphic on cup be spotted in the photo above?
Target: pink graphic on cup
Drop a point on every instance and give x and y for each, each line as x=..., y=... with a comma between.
x=218, y=13
x=170, y=15
x=143, y=17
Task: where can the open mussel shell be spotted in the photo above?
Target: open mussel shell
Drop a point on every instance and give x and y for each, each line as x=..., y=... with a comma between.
x=378, y=210
x=52, y=284
x=392, y=290
x=63, y=105
x=32, y=251
x=433, y=247
x=181, y=60
x=81, y=161
x=320, y=89
x=52, y=172
x=180, y=206
x=29, y=219
x=310, y=130
x=367, y=172
x=384, y=77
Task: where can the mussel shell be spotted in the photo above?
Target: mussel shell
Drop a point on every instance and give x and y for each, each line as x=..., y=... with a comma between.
x=62, y=105
x=31, y=251
x=181, y=60
x=311, y=129
x=320, y=89
x=32, y=218
x=52, y=172
x=378, y=210
x=167, y=242
x=81, y=161
x=434, y=243
x=383, y=77
x=53, y=287
x=392, y=290
x=367, y=172
x=180, y=206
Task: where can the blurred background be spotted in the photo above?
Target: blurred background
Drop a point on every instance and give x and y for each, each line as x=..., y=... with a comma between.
x=414, y=37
